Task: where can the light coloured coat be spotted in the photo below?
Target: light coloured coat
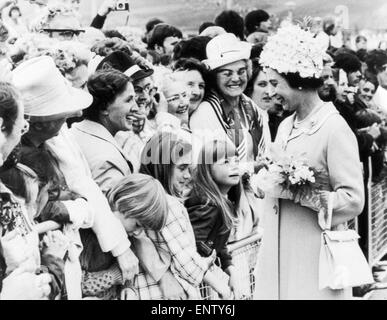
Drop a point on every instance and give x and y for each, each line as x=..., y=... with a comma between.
x=105, y=157
x=291, y=251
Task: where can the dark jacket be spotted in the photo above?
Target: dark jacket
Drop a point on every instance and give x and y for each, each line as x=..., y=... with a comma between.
x=364, y=140
x=204, y=217
x=98, y=22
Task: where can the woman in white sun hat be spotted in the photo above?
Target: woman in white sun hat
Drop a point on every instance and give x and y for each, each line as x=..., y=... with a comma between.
x=226, y=110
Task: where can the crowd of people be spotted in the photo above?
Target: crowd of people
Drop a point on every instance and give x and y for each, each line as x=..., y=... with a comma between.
x=130, y=162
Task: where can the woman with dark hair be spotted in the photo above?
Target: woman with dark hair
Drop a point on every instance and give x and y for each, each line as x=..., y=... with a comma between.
x=192, y=73
x=14, y=22
x=167, y=158
x=258, y=90
x=318, y=133
x=191, y=48
x=112, y=110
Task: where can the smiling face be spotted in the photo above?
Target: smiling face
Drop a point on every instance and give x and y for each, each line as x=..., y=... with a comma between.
x=260, y=93
x=225, y=172
x=181, y=173
x=143, y=89
x=232, y=79
x=176, y=94
x=282, y=90
x=119, y=115
x=366, y=91
x=196, y=87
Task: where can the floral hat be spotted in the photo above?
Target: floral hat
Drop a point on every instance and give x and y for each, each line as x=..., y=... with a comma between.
x=293, y=50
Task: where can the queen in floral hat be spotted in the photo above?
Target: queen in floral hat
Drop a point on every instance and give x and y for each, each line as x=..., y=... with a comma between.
x=293, y=60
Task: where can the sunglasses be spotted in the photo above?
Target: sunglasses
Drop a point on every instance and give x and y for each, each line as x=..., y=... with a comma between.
x=64, y=32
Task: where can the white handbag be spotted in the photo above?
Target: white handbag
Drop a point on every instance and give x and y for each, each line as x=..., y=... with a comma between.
x=342, y=263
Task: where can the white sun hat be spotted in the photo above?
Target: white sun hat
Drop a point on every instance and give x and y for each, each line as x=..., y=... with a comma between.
x=224, y=49
x=46, y=94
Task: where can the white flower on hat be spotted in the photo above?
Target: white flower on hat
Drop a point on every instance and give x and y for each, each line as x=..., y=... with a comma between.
x=293, y=50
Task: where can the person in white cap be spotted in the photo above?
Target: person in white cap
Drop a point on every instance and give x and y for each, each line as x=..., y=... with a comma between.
x=226, y=110
x=49, y=100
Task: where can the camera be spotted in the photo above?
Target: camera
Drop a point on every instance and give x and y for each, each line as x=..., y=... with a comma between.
x=122, y=6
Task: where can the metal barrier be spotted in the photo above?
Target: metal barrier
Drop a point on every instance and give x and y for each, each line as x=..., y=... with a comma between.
x=245, y=257
x=377, y=219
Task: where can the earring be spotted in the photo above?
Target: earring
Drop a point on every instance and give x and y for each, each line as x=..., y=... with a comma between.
x=300, y=88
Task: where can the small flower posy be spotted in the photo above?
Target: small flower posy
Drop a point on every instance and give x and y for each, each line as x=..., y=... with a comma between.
x=291, y=174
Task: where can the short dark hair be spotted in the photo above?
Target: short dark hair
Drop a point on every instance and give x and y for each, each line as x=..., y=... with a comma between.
x=362, y=54
x=104, y=86
x=205, y=25
x=375, y=60
x=160, y=32
x=254, y=18
x=9, y=106
x=192, y=48
x=151, y=24
x=256, y=51
x=14, y=8
x=189, y=64
x=106, y=46
x=40, y=161
x=360, y=38
x=232, y=22
x=114, y=34
x=348, y=62
x=295, y=81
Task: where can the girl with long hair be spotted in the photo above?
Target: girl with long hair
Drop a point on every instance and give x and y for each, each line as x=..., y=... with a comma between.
x=214, y=203
x=167, y=158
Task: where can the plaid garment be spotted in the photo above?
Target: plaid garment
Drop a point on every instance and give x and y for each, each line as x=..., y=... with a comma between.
x=177, y=238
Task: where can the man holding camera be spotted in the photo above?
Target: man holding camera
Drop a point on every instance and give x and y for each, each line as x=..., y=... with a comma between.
x=107, y=7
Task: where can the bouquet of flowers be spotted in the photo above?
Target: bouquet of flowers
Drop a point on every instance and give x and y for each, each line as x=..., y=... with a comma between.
x=291, y=177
